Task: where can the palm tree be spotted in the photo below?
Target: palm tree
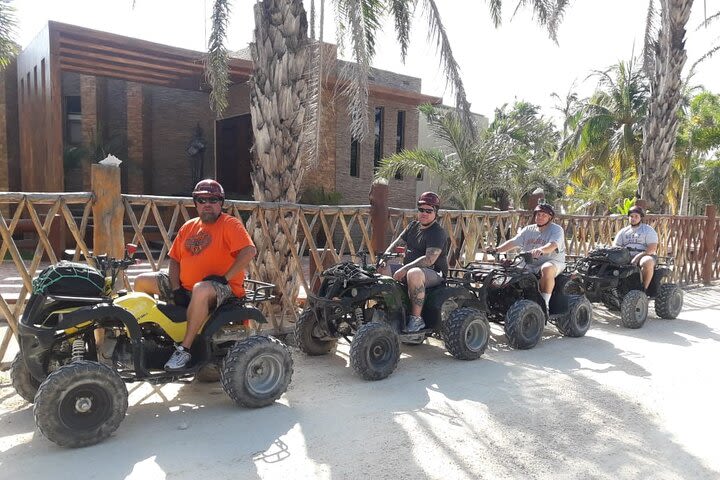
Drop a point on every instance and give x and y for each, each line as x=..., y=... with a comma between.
x=706, y=182
x=699, y=133
x=664, y=61
x=606, y=130
x=533, y=162
x=284, y=89
x=8, y=47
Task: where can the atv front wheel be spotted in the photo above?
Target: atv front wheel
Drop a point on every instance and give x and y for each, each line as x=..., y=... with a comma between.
x=306, y=335
x=524, y=324
x=466, y=333
x=22, y=381
x=375, y=351
x=80, y=404
x=634, y=309
x=256, y=371
x=576, y=322
x=669, y=301
x=208, y=373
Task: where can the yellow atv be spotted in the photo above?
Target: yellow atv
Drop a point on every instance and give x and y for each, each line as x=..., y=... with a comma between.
x=78, y=383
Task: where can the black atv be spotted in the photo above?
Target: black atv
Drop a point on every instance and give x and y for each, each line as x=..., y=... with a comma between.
x=80, y=344
x=510, y=295
x=607, y=276
x=354, y=300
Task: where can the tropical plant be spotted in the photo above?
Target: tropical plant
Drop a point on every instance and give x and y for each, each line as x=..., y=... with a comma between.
x=8, y=23
x=533, y=162
x=706, y=184
x=600, y=192
x=467, y=168
x=699, y=133
x=606, y=130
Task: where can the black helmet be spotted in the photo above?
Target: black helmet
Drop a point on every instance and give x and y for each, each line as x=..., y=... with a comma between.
x=544, y=207
x=636, y=209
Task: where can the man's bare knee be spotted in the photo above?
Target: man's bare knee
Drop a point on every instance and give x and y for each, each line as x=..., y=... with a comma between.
x=416, y=277
x=147, y=283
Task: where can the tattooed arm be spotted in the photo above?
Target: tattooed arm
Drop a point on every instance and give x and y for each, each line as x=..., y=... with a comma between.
x=426, y=261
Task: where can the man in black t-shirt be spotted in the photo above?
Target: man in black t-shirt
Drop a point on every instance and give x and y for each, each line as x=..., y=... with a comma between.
x=425, y=263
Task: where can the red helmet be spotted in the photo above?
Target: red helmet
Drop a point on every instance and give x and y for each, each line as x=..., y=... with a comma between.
x=636, y=209
x=209, y=187
x=429, y=198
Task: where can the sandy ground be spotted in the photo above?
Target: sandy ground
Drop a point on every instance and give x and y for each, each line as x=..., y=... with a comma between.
x=615, y=404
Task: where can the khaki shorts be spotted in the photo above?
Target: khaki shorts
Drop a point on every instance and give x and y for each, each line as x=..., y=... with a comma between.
x=536, y=267
x=432, y=278
x=222, y=291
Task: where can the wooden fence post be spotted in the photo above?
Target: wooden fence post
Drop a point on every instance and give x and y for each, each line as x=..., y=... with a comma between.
x=710, y=237
x=108, y=236
x=379, y=215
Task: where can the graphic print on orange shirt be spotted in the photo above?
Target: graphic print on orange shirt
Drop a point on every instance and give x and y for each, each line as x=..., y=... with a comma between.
x=197, y=243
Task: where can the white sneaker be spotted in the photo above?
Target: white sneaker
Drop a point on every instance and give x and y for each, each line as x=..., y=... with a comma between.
x=415, y=324
x=178, y=360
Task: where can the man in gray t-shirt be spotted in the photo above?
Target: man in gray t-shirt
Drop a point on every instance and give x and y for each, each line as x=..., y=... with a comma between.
x=546, y=241
x=642, y=240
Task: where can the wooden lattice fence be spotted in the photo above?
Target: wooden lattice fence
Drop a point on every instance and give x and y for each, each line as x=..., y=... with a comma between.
x=325, y=235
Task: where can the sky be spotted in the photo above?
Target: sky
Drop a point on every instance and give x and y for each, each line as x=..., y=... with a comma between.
x=517, y=61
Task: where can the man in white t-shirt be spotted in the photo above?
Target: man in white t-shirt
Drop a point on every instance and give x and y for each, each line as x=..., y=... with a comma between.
x=546, y=241
x=642, y=241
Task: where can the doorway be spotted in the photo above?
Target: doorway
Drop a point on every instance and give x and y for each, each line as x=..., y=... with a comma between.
x=233, y=141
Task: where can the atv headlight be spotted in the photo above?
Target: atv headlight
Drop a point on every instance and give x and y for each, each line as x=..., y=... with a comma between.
x=353, y=292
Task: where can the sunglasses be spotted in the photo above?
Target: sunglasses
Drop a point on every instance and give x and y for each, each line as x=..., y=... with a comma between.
x=203, y=200
x=426, y=210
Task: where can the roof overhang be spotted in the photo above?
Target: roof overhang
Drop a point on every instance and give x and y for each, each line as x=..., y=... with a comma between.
x=91, y=52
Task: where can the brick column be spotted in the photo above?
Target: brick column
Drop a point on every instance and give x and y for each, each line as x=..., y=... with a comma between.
x=136, y=138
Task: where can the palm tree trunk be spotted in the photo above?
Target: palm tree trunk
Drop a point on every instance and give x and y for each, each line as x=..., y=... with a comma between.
x=278, y=107
x=661, y=124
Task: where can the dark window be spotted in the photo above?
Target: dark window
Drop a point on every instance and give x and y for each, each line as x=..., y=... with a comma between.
x=354, y=158
x=400, y=137
x=420, y=174
x=379, y=113
x=73, y=120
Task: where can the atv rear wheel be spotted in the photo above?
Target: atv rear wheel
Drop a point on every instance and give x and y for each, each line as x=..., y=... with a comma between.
x=634, y=309
x=669, y=301
x=22, y=381
x=80, y=404
x=576, y=322
x=307, y=338
x=375, y=351
x=256, y=371
x=524, y=324
x=610, y=302
x=466, y=333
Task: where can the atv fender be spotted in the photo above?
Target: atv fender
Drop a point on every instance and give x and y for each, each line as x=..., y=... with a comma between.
x=231, y=313
x=435, y=297
x=35, y=342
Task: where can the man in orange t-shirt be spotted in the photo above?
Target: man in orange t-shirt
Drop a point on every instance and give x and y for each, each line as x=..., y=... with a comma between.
x=208, y=259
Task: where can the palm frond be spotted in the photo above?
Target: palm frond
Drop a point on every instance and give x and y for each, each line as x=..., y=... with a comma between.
x=650, y=42
x=495, y=12
x=8, y=24
x=451, y=69
x=401, y=13
x=216, y=61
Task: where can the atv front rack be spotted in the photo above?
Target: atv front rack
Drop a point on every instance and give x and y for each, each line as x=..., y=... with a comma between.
x=257, y=291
